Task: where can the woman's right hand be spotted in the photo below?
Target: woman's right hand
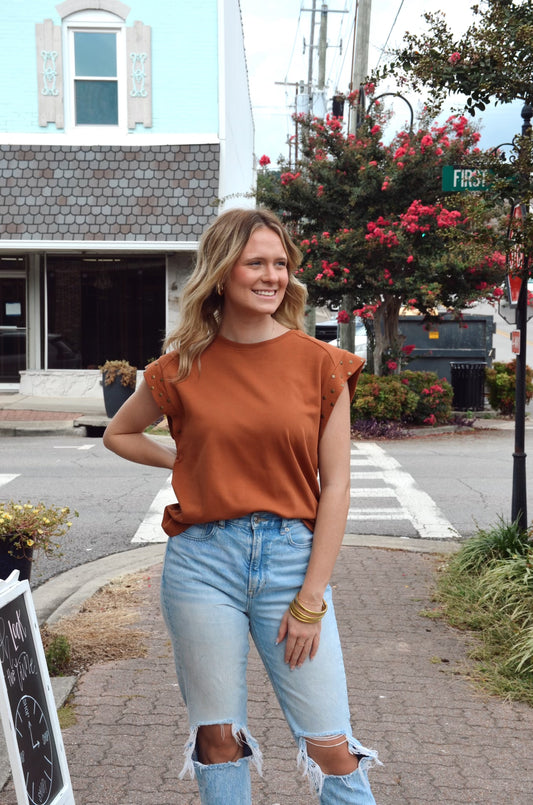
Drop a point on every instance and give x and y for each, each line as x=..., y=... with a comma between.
x=302, y=640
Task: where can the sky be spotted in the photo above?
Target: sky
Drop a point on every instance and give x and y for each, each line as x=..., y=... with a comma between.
x=276, y=32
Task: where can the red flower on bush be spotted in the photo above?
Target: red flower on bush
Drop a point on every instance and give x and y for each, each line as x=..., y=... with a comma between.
x=454, y=58
x=343, y=317
x=264, y=161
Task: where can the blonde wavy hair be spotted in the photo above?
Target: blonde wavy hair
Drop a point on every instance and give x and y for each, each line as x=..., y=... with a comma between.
x=201, y=305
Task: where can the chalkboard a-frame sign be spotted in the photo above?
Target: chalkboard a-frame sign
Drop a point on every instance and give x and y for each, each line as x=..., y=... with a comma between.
x=27, y=706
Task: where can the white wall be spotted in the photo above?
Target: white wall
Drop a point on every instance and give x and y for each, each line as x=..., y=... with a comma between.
x=237, y=177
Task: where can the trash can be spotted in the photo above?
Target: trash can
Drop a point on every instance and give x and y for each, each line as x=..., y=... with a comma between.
x=468, y=384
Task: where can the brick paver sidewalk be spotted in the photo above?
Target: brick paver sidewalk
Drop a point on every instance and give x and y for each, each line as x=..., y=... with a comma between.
x=441, y=741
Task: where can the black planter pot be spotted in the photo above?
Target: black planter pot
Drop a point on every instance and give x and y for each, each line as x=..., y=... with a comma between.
x=9, y=563
x=115, y=395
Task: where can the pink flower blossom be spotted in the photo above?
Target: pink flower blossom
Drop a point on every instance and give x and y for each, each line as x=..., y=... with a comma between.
x=343, y=317
x=392, y=365
x=375, y=129
x=264, y=161
x=454, y=58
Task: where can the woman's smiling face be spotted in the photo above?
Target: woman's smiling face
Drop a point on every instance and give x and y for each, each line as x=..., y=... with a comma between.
x=259, y=278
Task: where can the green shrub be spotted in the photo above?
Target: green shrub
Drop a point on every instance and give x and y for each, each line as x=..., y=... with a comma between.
x=503, y=541
x=382, y=398
x=411, y=397
x=434, y=406
x=501, y=384
x=487, y=587
x=58, y=655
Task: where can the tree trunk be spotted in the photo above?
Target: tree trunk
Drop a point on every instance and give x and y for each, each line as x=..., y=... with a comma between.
x=388, y=340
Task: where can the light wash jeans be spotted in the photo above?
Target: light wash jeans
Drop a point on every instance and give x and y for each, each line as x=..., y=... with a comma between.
x=222, y=581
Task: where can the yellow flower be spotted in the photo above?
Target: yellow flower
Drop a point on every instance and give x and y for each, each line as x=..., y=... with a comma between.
x=69, y=524
x=28, y=506
x=17, y=507
x=7, y=516
x=46, y=520
x=29, y=543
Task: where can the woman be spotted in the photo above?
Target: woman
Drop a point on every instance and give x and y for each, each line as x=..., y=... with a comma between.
x=256, y=409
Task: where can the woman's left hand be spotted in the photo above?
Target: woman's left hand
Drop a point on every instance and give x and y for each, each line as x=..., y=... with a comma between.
x=302, y=640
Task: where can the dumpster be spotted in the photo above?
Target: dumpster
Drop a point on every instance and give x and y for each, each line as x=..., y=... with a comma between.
x=468, y=384
x=450, y=341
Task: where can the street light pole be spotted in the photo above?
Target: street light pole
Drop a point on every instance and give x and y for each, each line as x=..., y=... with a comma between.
x=519, y=500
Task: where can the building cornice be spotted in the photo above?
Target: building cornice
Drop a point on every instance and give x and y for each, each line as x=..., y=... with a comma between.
x=100, y=246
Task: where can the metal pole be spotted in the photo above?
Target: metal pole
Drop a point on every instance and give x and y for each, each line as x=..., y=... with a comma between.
x=519, y=500
x=310, y=63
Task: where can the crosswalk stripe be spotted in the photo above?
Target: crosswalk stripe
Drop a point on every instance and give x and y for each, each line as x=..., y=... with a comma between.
x=6, y=479
x=416, y=505
x=150, y=529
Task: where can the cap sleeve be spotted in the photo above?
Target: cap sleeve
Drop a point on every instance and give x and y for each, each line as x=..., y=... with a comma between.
x=158, y=385
x=343, y=369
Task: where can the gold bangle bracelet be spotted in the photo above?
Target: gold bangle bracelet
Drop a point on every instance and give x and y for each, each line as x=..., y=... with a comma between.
x=301, y=617
x=323, y=610
x=305, y=615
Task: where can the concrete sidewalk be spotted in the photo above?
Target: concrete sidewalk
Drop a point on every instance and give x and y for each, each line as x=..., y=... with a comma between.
x=441, y=741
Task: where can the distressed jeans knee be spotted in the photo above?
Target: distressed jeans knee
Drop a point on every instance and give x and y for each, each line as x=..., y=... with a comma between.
x=341, y=789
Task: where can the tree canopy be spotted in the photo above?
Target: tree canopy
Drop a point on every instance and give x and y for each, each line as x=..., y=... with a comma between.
x=375, y=226
x=492, y=60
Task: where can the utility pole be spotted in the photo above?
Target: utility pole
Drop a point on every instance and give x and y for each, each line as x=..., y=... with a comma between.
x=359, y=73
x=322, y=47
x=360, y=57
x=310, y=63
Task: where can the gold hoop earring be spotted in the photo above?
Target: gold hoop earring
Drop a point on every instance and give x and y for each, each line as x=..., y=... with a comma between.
x=220, y=289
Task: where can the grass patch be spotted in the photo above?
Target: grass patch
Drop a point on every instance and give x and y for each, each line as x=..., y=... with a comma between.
x=67, y=716
x=487, y=588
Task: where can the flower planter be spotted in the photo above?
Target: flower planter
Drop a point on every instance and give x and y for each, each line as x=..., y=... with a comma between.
x=115, y=395
x=8, y=563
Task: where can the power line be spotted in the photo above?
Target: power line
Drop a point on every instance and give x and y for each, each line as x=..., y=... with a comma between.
x=390, y=32
x=294, y=42
x=346, y=39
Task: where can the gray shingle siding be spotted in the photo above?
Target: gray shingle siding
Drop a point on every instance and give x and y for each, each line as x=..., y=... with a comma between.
x=153, y=193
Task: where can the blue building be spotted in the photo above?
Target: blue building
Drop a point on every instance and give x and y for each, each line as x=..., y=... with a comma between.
x=124, y=129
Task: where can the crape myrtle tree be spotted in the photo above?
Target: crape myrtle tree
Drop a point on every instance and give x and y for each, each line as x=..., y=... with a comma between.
x=374, y=225
x=491, y=62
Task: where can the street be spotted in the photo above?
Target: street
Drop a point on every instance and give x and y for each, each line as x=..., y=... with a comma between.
x=429, y=487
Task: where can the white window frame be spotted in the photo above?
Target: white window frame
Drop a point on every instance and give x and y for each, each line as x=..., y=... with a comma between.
x=91, y=22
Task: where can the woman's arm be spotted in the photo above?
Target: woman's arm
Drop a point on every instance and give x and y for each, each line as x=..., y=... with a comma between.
x=125, y=433
x=334, y=468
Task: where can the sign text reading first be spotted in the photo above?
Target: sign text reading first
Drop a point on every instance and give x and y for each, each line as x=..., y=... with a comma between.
x=464, y=179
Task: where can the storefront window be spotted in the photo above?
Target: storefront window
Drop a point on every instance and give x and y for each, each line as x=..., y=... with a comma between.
x=105, y=309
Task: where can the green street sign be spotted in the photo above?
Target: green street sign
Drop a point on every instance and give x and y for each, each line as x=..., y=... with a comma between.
x=462, y=180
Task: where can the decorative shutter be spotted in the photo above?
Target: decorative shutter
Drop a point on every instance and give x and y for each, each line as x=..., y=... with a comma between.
x=139, y=71
x=49, y=73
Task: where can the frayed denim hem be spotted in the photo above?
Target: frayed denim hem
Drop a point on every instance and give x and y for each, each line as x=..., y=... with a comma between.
x=240, y=733
x=311, y=769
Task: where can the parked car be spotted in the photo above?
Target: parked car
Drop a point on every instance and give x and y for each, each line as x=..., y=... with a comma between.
x=328, y=331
